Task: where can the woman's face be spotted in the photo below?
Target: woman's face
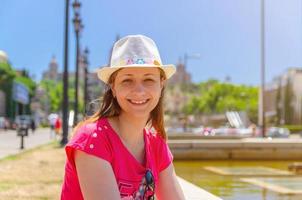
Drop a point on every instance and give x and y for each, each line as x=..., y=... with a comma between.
x=137, y=90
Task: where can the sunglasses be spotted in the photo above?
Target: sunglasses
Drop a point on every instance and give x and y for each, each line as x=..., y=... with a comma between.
x=147, y=187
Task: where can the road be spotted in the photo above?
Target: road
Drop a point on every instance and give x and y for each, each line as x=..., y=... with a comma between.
x=10, y=142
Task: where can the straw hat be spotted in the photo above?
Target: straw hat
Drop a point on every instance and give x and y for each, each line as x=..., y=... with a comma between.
x=134, y=51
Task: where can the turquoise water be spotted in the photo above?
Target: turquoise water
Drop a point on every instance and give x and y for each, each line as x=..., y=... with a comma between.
x=230, y=187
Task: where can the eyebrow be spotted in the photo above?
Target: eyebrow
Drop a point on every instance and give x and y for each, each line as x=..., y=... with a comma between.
x=149, y=74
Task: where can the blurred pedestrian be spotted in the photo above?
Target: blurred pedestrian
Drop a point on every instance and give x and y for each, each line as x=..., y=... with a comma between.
x=58, y=125
x=33, y=126
x=6, y=124
x=52, y=118
x=253, y=127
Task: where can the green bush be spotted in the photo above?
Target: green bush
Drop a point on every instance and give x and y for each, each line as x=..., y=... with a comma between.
x=293, y=128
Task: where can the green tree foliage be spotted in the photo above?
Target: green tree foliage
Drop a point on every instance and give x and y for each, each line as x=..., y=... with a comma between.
x=7, y=77
x=54, y=95
x=215, y=97
x=7, y=74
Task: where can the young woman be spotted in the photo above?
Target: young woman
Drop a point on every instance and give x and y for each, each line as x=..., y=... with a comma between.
x=121, y=151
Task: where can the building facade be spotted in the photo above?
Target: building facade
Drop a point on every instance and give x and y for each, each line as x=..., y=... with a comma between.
x=95, y=86
x=283, y=98
x=52, y=71
x=181, y=76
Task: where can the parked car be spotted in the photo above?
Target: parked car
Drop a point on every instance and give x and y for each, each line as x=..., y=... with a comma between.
x=2, y=122
x=174, y=130
x=234, y=132
x=277, y=132
x=197, y=130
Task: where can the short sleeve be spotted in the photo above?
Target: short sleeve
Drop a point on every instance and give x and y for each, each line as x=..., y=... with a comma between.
x=91, y=140
x=165, y=155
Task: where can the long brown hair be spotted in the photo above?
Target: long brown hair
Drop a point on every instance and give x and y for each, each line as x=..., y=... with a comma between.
x=109, y=107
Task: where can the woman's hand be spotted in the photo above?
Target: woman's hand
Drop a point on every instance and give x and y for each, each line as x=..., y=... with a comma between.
x=168, y=186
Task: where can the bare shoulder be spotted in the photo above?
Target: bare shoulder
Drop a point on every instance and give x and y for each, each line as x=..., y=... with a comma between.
x=90, y=160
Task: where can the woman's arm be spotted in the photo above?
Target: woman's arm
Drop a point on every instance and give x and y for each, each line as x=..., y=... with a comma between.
x=96, y=178
x=168, y=186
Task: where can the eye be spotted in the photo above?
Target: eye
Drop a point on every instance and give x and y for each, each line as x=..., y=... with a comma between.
x=127, y=81
x=149, y=80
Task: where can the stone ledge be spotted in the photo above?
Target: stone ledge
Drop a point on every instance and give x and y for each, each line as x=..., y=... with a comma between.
x=193, y=192
x=236, y=149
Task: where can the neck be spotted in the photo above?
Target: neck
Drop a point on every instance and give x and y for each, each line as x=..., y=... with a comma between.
x=131, y=128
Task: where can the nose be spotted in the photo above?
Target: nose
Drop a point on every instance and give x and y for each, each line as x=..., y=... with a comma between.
x=139, y=88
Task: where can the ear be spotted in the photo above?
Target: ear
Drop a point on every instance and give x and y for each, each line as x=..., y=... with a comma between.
x=162, y=83
x=113, y=90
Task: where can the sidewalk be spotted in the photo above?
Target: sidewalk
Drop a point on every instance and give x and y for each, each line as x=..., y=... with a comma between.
x=10, y=142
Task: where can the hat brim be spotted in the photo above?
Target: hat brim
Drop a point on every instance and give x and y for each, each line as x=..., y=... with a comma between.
x=105, y=72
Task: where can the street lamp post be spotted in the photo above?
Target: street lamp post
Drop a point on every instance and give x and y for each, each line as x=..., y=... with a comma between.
x=77, y=27
x=65, y=78
x=262, y=89
x=86, y=52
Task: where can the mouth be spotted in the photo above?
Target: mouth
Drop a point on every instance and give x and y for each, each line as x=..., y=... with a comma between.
x=140, y=102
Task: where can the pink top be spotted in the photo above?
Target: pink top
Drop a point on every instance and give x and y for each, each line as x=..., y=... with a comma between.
x=99, y=139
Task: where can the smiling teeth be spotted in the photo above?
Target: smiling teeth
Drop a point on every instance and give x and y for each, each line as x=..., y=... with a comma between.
x=138, y=102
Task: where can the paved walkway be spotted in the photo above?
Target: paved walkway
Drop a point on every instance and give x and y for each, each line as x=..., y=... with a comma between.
x=10, y=142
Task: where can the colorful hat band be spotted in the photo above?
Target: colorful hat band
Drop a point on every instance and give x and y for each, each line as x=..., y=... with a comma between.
x=138, y=61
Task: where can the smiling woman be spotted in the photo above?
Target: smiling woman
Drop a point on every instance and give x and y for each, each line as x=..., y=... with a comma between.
x=137, y=90
x=121, y=151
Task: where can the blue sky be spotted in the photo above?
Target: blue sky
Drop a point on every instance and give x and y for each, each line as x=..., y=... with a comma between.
x=226, y=33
